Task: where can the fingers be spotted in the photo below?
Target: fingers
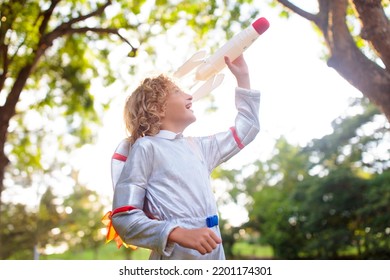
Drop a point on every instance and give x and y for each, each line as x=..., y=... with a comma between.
x=238, y=61
x=203, y=240
x=209, y=242
x=215, y=237
x=206, y=248
x=227, y=60
x=237, y=66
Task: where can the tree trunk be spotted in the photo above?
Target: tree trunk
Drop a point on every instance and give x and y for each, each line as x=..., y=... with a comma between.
x=344, y=55
x=46, y=39
x=6, y=113
x=3, y=164
x=349, y=61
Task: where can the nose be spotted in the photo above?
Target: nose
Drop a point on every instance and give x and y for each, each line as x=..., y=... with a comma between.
x=188, y=96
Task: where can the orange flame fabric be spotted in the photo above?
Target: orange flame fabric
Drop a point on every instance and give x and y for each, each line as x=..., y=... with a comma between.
x=111, y=232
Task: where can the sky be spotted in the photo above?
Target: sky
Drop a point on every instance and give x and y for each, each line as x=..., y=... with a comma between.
x=300, y=96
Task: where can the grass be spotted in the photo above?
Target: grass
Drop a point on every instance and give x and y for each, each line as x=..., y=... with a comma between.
x=110, y=252
x=243, y=250
x=105, y=252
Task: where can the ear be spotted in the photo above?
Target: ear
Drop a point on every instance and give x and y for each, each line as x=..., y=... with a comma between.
x=162, y=114
x=162, y=111
x=162, y=120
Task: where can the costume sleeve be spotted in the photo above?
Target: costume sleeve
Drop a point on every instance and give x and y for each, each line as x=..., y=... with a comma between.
x=222, y=146
x=133, y=226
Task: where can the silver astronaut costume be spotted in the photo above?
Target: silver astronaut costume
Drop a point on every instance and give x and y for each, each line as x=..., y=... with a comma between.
x=166, y=179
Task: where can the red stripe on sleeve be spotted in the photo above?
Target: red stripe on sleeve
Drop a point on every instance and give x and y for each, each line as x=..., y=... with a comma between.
x=236, y=138
x=123, y=209
x=119, y=157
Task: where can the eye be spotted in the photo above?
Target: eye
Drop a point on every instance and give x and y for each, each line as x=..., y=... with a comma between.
x=178, y=92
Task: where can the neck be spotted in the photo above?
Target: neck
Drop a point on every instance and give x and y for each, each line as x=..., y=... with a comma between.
x=173, y=128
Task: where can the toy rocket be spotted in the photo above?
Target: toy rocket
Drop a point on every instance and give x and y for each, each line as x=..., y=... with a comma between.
x=207, y=69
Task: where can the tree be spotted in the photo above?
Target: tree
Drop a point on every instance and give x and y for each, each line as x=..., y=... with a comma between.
x=53, y=50
x=273, y=212
x=46, y=225
x=28, y=231
x=360, y=53
x=18, y=232
x=268, y=190
x=81, y=224
x=375, y=236
x=330, y=196
x=328, y=213
x=325, y=199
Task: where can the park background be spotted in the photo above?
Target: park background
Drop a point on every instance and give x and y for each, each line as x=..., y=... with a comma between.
x=313, y=185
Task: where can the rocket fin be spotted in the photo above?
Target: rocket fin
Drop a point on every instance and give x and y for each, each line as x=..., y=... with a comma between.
x=195, y=60
x=208, y=86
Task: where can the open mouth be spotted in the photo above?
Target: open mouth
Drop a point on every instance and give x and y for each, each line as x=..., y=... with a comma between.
x=189, y=105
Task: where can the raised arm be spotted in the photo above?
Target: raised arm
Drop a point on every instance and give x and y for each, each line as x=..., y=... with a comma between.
x=222, y=146
x=240, y=70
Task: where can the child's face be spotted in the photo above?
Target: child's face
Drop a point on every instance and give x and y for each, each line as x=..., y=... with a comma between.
x=178, y=114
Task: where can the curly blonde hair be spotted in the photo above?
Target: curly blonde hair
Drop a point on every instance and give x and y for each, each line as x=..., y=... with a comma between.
x=144, y=107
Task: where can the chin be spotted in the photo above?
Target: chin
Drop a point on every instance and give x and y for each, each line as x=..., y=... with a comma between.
x=191, y=120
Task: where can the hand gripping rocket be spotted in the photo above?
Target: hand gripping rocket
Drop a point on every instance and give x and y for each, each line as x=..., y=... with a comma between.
x=207, y=69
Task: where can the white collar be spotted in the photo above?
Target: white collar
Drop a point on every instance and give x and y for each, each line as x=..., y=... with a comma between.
x=170, y=135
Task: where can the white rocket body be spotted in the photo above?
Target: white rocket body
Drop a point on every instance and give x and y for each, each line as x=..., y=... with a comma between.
x=208, y=68
x=232, y=49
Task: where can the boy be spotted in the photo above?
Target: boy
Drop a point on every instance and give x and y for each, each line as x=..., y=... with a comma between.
x=163, y=199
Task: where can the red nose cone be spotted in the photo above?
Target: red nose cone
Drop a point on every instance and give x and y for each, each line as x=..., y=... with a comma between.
x=261, y=25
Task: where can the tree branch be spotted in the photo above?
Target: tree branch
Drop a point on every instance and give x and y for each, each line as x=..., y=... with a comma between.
x=97, y=12
x=98, y=30
x=46, y=16
x=4, y=27
x=299, y=11
x=45, y=42
x=4, y=54
x=376, y=27
x=66, y=27
x=350, y=62
x=345, y=57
